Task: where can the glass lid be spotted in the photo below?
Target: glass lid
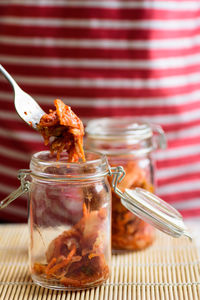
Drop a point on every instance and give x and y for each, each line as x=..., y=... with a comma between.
x=154, y=211
x=149, y=207
x=115, y=128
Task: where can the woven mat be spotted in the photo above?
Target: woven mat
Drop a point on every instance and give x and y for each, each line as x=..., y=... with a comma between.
x=170, y=269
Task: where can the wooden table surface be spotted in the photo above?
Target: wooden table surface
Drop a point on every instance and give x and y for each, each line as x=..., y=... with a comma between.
x=170, y=269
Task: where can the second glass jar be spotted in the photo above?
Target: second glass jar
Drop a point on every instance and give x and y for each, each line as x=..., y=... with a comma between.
x=130, y=144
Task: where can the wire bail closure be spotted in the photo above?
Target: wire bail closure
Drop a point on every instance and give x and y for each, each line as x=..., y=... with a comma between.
x=24, y=188
x=118, y=174
x=140, y=202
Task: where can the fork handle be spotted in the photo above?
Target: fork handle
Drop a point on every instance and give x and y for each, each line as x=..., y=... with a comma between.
x=9, y=78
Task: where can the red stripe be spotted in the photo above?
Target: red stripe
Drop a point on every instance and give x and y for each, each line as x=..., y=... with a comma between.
x=180, y=126
x=78, y=52
x=14, y=163
x=32, y=147
x=96, y=92
x=182, y=142
x=29, y=147
x=179, y=161
x=98, y=72
x=134, y=111
x=17, y=125
x=194, y=212
x=182, y=196
x=84, y=32
x=12, y=217
x=10, y=181
x=184, y=178
x=20, y=125
x=7, y=105
x=68, y=12
x=19, y=202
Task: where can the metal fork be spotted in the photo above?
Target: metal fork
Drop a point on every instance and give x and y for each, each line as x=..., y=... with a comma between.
x=26, y=107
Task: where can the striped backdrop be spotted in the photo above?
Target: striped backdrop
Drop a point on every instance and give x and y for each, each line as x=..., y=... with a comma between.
x=105, y=58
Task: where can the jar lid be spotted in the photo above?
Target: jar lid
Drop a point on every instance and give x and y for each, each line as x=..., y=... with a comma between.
x=118, y=128
x=154, y=211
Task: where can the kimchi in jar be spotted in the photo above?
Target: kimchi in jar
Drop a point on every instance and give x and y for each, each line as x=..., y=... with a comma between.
x=129, y=144
x=69, y=219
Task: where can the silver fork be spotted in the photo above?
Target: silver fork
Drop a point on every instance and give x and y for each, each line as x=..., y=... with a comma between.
x=26, y=107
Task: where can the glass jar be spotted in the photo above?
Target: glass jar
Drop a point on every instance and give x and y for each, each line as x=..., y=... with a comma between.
x=69, y=218
x=69, y=221
x=129, y=144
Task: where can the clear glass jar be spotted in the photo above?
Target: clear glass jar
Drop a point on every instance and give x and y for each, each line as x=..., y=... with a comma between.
x=69, y=218
x=129, y=144
x=69, y=221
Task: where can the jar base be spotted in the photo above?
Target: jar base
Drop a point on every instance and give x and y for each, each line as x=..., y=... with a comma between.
x=53, y=285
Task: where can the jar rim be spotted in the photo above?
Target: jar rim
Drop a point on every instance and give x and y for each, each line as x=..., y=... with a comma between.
x=115, y=128
x=45, y=165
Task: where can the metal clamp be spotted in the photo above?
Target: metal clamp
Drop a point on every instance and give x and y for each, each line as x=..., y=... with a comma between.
x=24, y=188
x=118, y=174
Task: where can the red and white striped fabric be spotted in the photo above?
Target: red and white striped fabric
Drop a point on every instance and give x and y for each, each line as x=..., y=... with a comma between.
x=105, y=58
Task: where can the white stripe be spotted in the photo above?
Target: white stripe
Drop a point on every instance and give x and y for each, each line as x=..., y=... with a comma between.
x=163, y=119
x=160, y=155
x=14, y=153
x=166, y=82
x=7, y=115
x=178, y=118
x=171, y=172
x=108, y=102
x=23, y=136
x=177, y=134
x=189, y=204
x=16, y=211
x=5, y=170
x=165, y=5
x=176, y=43
x=193, y=131
x=160, y=63
x=14, y=116
x=179, y=187
x=179, y=24
x=182, y=152
x=7, y=189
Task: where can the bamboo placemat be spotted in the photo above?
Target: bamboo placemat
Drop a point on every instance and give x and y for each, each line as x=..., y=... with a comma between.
x=170, y=269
